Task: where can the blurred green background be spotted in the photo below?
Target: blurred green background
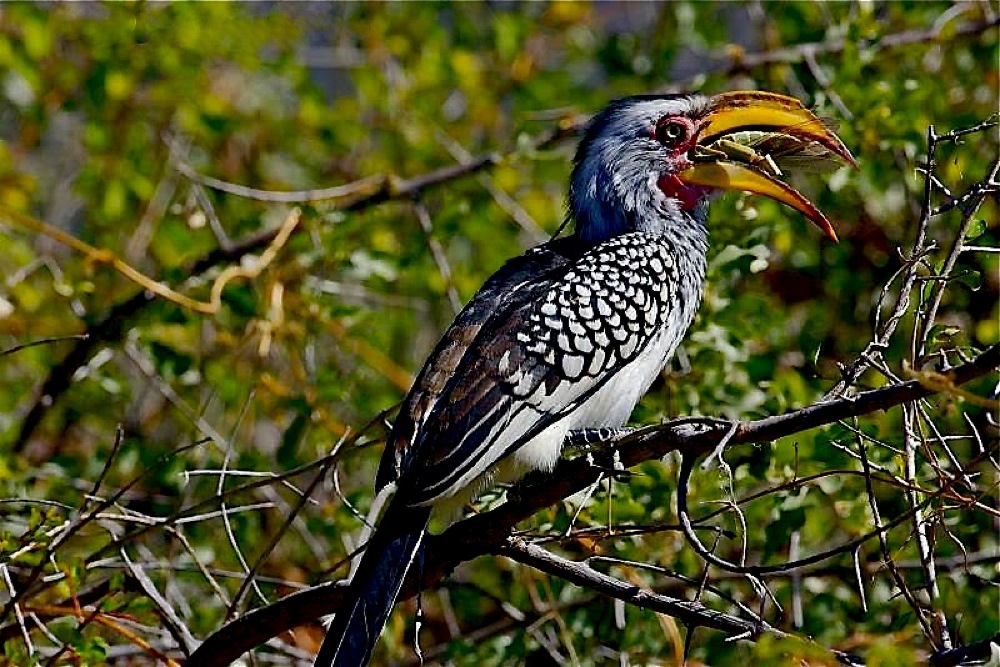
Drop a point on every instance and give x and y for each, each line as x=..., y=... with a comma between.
x=108, y=112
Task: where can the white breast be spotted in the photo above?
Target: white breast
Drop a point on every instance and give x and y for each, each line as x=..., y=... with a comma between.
x=610, y=406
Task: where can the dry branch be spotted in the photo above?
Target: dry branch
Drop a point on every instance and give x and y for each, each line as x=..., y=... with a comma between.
x=488, y=533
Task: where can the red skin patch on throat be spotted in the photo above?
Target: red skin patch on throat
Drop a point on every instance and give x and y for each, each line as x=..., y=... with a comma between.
x=675, y=188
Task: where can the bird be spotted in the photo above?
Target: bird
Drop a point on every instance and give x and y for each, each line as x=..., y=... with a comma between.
x=567, y=337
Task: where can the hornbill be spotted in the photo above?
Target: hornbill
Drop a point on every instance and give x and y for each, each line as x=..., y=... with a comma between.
x=568, y=336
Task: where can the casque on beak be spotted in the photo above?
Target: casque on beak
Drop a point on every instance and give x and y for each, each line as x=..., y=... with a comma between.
x=741, y=111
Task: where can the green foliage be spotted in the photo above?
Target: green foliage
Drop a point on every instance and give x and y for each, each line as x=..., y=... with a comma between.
x=106, y=111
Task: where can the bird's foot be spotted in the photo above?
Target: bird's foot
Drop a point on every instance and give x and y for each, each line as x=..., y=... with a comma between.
x=609, y=464
x=598, y=445
x=586, y=438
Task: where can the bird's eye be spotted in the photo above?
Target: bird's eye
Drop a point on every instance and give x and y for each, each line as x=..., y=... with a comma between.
x=671, y=132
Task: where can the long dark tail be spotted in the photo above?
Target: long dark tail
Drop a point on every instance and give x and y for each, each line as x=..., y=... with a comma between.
x=370, y=597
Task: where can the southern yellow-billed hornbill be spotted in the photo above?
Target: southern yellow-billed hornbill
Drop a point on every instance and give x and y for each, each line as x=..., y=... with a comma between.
x=571, y=334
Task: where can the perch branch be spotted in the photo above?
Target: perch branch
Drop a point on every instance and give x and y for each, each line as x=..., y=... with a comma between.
x=488, y=533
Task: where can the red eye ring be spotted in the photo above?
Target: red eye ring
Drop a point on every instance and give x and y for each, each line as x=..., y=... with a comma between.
x=672, y=131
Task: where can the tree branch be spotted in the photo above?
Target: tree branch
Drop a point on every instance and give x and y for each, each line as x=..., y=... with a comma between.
x=686, y=611
x=800, y=52
x=358, y=195
x=489, y=533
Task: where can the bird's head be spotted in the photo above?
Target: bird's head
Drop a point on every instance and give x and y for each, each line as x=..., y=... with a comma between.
x=650, y=163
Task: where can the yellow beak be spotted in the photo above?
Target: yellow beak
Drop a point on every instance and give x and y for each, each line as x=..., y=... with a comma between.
x=755, y=110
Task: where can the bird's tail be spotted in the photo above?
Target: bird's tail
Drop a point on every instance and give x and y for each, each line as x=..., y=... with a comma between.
x=374, y=587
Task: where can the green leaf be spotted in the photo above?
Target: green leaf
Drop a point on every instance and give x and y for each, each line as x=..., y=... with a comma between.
x=976, y=229
x=971, y=278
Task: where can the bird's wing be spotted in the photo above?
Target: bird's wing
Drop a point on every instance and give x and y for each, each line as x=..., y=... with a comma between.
x=545, y=333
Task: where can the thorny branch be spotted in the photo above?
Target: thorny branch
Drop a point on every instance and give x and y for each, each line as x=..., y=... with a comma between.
x=917, y=449
x=489, y=532
x=913, y=260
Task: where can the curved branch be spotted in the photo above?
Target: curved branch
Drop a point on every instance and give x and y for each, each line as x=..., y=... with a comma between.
x=488, y=533
x=358, y=195
x=800, y=52
x=686, y=611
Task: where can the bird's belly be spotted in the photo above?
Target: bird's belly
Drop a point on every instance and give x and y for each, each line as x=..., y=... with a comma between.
x=609, y=406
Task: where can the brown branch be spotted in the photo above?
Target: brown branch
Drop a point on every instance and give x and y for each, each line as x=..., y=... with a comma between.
x=689, y=612
x=488, y=533
x=361, y=194
x=800, y=52
x=43, y=341
x=686, y=611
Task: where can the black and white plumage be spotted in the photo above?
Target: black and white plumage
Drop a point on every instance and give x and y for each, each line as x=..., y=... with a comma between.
x=568, y=336
x=562, y=339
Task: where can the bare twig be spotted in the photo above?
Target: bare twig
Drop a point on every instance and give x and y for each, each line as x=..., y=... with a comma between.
x=487, y=532
x=884, y=546
x=43, y=341
x=579, y=573
x=251, y=573
x=444, y=269
x=971, y=202
x=794, y=54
